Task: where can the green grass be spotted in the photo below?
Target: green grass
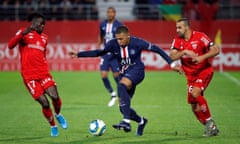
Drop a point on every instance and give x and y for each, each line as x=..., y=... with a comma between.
x=161, y=97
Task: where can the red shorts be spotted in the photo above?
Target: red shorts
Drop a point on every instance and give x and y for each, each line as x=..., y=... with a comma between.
x=37, y=87
x=201, y=81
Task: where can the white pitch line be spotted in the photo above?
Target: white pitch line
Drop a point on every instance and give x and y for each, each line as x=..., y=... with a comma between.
x=235, y=80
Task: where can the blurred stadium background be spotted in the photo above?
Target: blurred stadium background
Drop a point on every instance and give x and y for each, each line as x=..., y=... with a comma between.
x=73, y=24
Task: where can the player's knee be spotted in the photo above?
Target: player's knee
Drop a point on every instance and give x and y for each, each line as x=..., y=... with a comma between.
x=115, y=74
x=104, y=74
x=45, y=104
x=43, y=101
x=195, y=93
x=121, y=86
x=52, y=92
x=126, y=82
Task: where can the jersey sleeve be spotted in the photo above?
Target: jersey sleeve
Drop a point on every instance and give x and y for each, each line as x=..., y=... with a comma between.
x=207, y=42
x=98, y=52
x=143, y=44
x=16, y=39
x=161, y=52
x=92, y=53
x=151, y=47
x=175, y=44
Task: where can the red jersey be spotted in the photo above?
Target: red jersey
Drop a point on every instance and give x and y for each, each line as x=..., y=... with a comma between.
x=198, y=43
x=32, y=48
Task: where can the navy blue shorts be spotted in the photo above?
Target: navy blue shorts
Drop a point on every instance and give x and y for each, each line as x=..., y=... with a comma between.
x=135, y=74
x=108, y=62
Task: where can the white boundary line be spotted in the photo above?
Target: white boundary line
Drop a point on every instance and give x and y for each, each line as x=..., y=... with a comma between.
x=232, y=78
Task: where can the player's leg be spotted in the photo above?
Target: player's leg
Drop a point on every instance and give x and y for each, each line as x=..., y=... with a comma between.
x=202, y=112
x=114, y=65
x=56, y=100
x=115, y=76
x=107, y=84
x=104, y=69
x=124, y=104
x=47, y=112
x=142, y=121
x=50, y=88
x=37, y=92
x=200, y=106
x=126, y=89
x=128, y=112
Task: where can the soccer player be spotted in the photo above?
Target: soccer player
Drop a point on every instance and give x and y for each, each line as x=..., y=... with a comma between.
x=195, y=50
x=32, y=44
x=127, y=50
x=107, y=32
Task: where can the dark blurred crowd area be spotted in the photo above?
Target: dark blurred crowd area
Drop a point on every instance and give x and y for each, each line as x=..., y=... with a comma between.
x=88, y=9
x=192, y=9
x=52, y=9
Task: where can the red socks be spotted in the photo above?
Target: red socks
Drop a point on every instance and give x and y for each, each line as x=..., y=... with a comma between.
x=47, y=112
x=203, y=114
x=48, y=115
x=57, y=105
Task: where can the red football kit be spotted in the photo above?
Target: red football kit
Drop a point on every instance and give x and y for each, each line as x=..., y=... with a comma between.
x=34, y=67
x=198, y=75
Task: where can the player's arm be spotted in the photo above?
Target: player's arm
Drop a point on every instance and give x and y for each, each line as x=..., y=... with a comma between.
x=17, y=38
x=168, y=59
x=92, y=53
x=161, y=52
x=213, y=51
x=175, y=54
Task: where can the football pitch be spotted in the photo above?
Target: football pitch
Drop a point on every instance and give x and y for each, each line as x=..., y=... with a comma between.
x=161, y=98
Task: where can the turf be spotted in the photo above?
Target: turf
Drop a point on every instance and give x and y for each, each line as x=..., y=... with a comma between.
x=161, y=97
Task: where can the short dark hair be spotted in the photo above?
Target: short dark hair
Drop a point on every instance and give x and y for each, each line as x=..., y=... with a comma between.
x=185, y=20
x=35, y=15
x=122, y=29
x=112, y=8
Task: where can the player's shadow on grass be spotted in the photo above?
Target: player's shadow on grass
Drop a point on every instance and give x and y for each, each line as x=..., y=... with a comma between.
x=93, y=140
x=158, y=141
x=171, y=138
x=16, y=140
x=186, y=135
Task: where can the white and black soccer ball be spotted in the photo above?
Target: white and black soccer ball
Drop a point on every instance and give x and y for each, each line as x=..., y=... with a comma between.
x=97, y=127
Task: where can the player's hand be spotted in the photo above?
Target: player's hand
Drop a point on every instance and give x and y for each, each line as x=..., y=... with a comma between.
x=176, y=67
x=197, y=59
x=73, y=54
x=190, y=53
x=27, y=30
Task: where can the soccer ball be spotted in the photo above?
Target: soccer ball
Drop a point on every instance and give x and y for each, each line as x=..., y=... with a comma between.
x=97, y=127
